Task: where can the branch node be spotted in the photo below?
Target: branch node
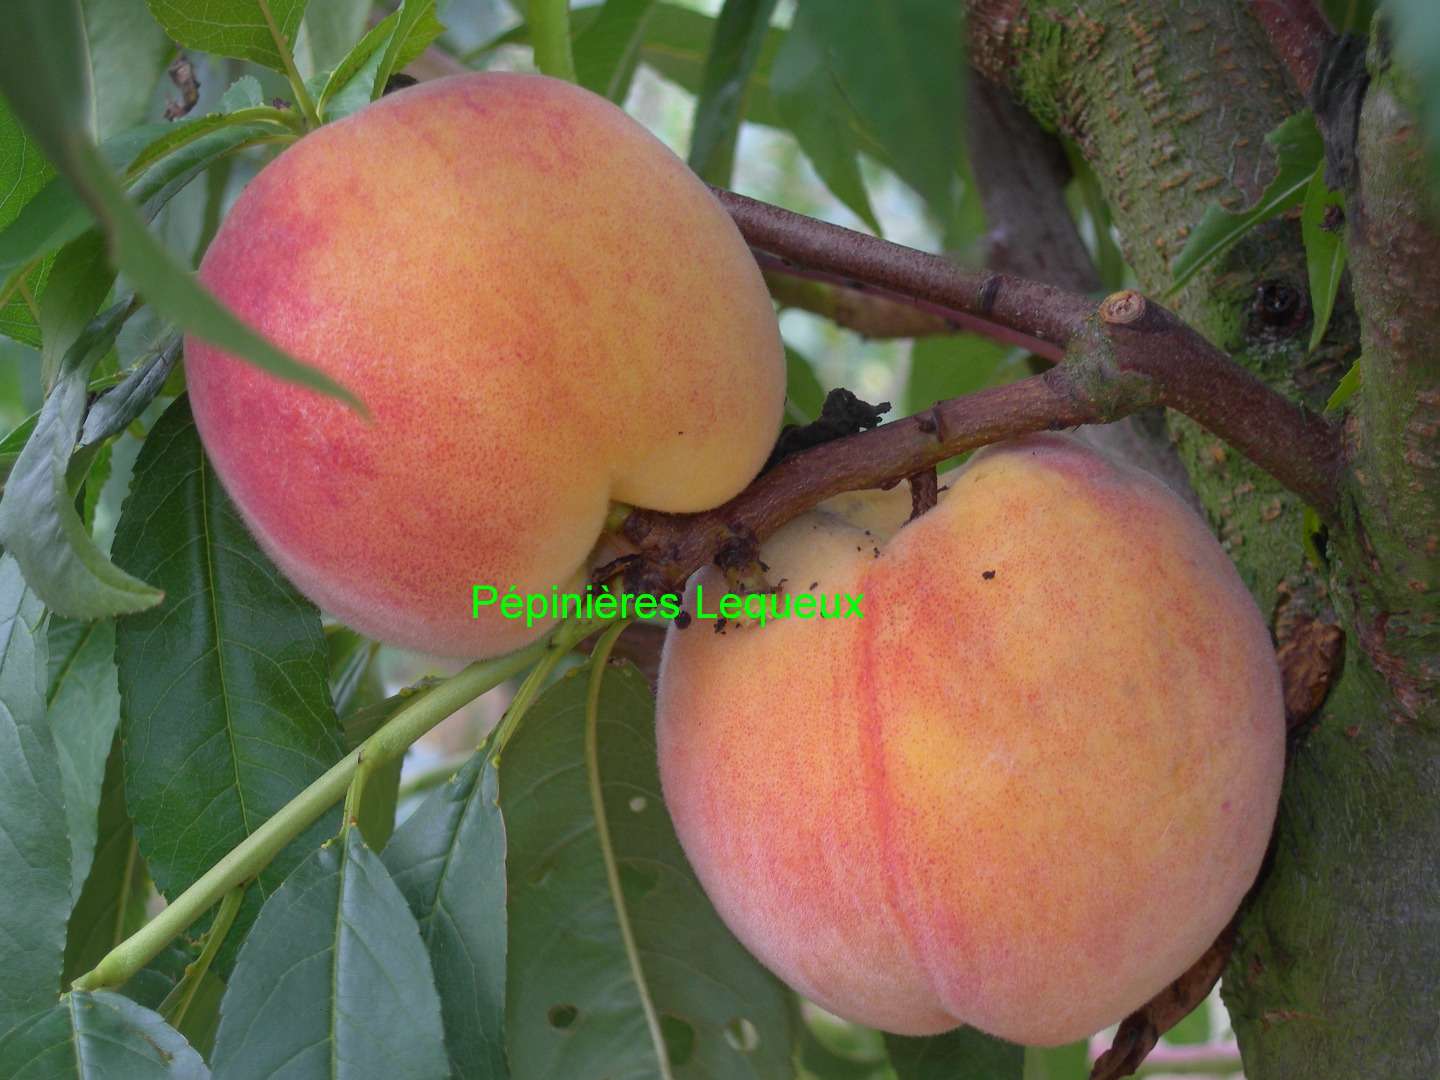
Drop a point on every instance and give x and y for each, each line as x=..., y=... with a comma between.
x=1122, y=308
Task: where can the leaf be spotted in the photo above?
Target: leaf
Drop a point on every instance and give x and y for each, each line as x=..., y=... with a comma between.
x=34, y=849
x=262, y=119
x=225, y=709
x=962, y=1054
x=95, y=1036
x=128, y=52
x=333, y=978
x=810, y=100
x=804, y=395
x=900, y=67
x=84, y=708
x=353, y=84
x=79, y=280
x=1324, y=251
x=415, y=28
x=677, y=42
x=354, y=682
x=24, y=172
x=448, y=859
x=112, y=903
x=118, y=407
x=44, y=75
x=608, y=48
x=1298, y=150
x=57, y=215
x=332, y=27
x=948, y=366
x=1346, y=388
x=38, y=521
x=1069, y=1062
x=720, y=105
x=237, y=28
x=587, y=963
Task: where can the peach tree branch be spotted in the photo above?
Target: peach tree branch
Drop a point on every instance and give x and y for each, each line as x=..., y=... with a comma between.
x=1125, y=355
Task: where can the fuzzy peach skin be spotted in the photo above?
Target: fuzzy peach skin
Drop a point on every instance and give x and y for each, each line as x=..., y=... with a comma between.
x=1025, y=792
x=543, y=310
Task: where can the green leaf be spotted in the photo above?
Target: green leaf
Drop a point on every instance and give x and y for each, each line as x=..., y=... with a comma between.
x=448, y=858
x=80, y=279
x=944, y=367
x=57, y=215
x=112, y=903
x=608, y=48
x=804, y=395
x=332, y=27
x=677, y=41
x=43, y=72
x=24, y=172
x=900, y=68
x=810, y=100
x=1346, y=388
x=593, y=969
x=128, y=53
x=237, y=28
x=962, y=1054
x=122, y=404
x=1298, y=150
x=1324, y=251
x=225, y=708
x=1069, y=1062
x=352, y=85
x=38, y=521
x=416, y=26
x=34, y=849
x=84, y=708
x=333, y=980
x=96, y=1036
x=720, y=105
x=1193, y=1029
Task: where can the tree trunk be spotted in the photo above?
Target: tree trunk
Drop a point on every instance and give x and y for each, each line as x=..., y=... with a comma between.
x=1336, y=970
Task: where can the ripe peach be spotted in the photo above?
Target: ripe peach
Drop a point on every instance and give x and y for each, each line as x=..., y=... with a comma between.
x=1024, y=792
x=543, y=310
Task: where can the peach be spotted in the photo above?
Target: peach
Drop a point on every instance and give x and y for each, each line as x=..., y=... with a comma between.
x=1024, y=792
x=542, y=308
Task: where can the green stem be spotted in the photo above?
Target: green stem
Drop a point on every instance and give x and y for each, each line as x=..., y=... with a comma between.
x=254, y=853
x=177, y=1002
x=564, y=640
x=599, y=657
x=297, y=84
x=550, y=36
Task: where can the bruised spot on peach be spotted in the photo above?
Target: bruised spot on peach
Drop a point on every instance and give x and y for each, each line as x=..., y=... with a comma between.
x=429, y=253
x=1023, y=803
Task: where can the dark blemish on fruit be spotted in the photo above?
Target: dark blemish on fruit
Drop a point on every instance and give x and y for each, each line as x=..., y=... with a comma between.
x=812, y=585
x=682, y=620
x=988, y=574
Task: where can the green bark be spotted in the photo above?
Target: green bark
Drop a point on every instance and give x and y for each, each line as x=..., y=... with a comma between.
x=1338, y=963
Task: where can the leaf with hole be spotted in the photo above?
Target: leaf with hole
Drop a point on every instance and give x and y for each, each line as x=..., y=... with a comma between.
x=618, y=963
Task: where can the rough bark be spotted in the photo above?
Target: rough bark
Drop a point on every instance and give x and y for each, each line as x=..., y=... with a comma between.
x=1338, y=954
